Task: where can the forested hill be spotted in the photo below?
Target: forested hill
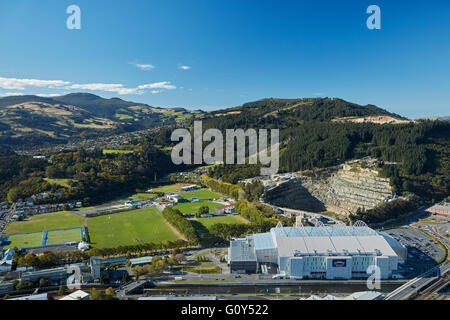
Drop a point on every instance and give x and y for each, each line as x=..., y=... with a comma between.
x=289, y=113
x=318, y=133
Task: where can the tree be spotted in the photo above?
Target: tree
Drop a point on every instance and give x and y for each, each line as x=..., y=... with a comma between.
x=203, y=210
x=125, y=277
x=13, y=194
x=61, y=290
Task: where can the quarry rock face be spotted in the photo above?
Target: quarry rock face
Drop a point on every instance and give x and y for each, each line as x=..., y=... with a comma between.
x=342, y=189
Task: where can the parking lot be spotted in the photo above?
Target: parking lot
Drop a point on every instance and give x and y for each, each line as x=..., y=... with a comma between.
x=423, y=252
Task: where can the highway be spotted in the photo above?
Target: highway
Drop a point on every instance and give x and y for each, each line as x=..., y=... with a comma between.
x=415, y=285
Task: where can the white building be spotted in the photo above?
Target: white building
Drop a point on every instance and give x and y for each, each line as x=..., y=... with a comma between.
x=6, y=260
x=324, y=252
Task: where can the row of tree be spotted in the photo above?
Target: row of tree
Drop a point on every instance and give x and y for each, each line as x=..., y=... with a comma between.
x=185, y=227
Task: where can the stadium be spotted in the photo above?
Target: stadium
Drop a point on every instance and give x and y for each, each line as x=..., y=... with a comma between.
x=320, y=252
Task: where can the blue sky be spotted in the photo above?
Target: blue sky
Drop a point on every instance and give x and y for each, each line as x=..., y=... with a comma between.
x=212, y=54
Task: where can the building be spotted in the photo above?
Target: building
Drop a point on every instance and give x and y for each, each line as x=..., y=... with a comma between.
x=364, y=295
x=55, y=275
x=189, y=188
x=6, y=260
x=36, y=297
x=175, y=198
x=180, y=298
x=322, y=252
x=141, y=261
x=77, y=295
x=440, y=209
x=6, y=287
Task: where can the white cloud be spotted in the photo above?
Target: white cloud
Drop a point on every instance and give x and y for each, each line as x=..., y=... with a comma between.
x=144, y=66
x=109, y=87
x=185, y=67
x=48, y=95
x=157, y=85
x=7, y=94
x=22, y=84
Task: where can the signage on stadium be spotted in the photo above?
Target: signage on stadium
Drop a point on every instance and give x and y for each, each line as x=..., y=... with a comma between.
x=339, y=263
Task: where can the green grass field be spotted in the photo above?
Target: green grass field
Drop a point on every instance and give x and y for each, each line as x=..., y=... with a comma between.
x=202, y=194
x=46, y=221
x=208, y=222
x=25, y=240
x=143, y=196
x=59, y=182
x=64, y=236
x=129, y=228
x=192, y=207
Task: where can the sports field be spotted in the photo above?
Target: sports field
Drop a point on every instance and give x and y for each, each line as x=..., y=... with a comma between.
x=170, y=188
x=192, y=207
x=25, y=240
x=202, y=194
x=129, y=228
x=64, y=236
x=208, y=222
x=45, y=221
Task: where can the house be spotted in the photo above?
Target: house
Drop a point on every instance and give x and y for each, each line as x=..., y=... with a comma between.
x=189, y=188
x=77, y=295
x=30, y=202
x=175, y=198
x=6, y=260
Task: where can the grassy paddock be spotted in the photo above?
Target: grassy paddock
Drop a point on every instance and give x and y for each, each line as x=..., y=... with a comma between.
x=208, y=222
x=169, y=188
x=60, y=182
x=192, y=207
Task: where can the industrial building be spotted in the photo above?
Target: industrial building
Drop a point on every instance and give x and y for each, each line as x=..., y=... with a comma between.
x=321, y=252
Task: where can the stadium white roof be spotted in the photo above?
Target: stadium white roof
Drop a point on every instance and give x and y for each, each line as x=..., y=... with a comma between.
x=333, y=245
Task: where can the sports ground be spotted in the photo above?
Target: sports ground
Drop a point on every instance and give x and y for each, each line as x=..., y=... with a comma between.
x=192, y=207
x=129, y=228
x=44, y=238
x=45, y=221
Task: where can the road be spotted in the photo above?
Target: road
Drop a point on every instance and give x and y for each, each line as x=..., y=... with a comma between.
x=415, y=285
